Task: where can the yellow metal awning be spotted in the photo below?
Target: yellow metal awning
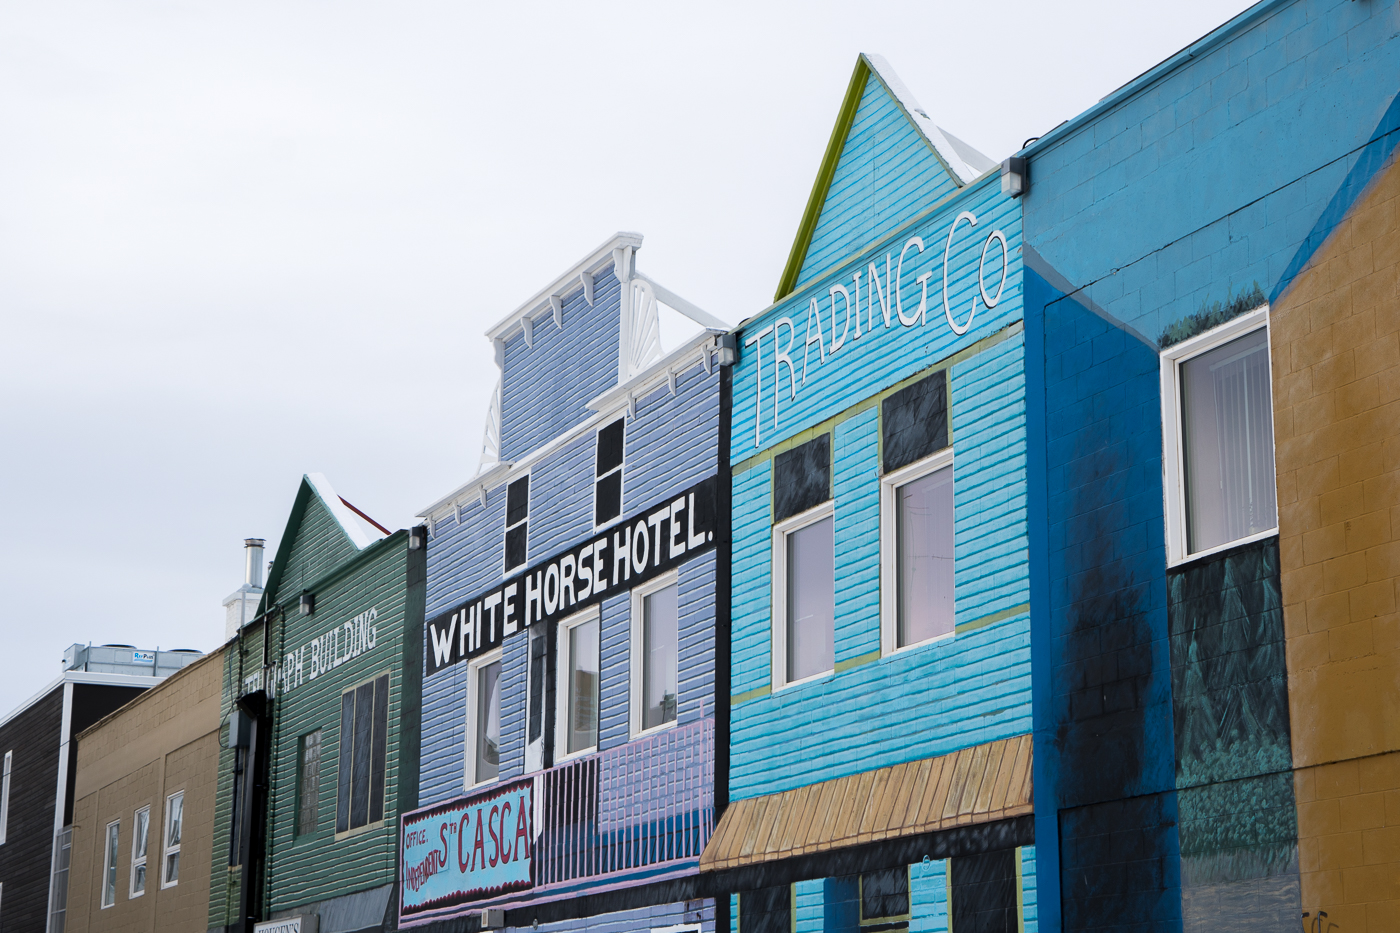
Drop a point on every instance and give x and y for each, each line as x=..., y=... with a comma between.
x=975, y=785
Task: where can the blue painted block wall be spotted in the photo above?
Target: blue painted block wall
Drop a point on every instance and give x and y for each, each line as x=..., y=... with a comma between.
x=1221, y=171
x=670, y=445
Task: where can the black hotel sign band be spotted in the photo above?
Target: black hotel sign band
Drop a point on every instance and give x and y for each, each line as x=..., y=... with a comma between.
x=629, y=553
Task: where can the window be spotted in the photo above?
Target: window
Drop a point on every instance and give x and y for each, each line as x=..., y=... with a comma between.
x=535, y=691
x=58, y=900
x=109, y=864
x=655, y=637
x=1218, y=436
x=309, y=792
x=982, y=891
x=517, y=524
x=607, y=488
x=5, y=795
x=766, y=910
x=916, y=530
x=578, y=687
x=174, y=824
x=804, y=563
x=364, y=723
x=484, y=719
x=141, y=827
x=884, y=900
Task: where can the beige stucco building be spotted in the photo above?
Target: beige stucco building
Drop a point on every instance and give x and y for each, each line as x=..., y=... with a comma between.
x=144, y=809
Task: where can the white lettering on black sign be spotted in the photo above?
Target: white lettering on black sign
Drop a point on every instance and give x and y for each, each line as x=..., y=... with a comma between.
x=631, y=552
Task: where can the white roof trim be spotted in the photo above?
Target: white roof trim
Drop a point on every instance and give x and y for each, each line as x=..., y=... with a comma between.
x=965, y=171
x=349, y=521
x=606, y=405
x=83, y=677
x=564, y=285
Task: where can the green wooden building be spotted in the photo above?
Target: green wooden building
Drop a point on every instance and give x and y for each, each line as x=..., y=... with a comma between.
x=320, y=735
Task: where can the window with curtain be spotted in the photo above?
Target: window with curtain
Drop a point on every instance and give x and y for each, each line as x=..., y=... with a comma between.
x=1228, y=442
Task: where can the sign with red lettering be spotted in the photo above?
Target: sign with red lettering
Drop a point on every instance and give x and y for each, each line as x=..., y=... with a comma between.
x=471, y=849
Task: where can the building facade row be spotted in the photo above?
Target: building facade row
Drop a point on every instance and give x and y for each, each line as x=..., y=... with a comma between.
x=1027, y=564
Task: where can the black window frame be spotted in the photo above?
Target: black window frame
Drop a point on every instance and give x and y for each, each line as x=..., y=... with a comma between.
x=608, y=472
x=517, y=524
x=361, y=765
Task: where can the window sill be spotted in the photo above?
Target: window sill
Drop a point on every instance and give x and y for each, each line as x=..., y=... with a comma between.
x=900, y=652
x=572, y=756
x=815, y=678
x=1221, y=548
x=654, y=730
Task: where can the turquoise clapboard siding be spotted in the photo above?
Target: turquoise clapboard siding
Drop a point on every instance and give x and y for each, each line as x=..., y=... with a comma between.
x=545, y=386
x=809, y=906
x=670, y=445
x=887, y=173
x=928, y=896
x=961, y=691
x=1029, y=915
x=883, y=356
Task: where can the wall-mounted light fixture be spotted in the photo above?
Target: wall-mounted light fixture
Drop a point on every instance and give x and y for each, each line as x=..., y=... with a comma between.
x=418, y=537
x=1015, y=176
x=727, y=346
x=308, y=603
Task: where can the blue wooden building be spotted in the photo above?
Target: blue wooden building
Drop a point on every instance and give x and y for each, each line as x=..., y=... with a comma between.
x=880, y=693
x=571, y=733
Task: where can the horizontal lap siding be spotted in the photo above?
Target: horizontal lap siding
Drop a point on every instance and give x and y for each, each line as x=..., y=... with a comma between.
x=886, y=171
x=645, y=918
x=951, y=694
x=546, y=387
x=674, y=441
x=991, y=548
x=321, y=545
x=302, y=870
x=885, y=355
x=856, y=483
x=670, y=445
x=751, y=597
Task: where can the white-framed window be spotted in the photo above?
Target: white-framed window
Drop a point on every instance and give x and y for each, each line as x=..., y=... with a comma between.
x=1218, y=438
x=174, y=823
x=140, y=838
x=577, y=717
x=655, y=644
x=916, y=553
x=804, y=596
x=517, y=522
x=5, y=795
x=109, y=863
x=483, y=746
x=607, y=483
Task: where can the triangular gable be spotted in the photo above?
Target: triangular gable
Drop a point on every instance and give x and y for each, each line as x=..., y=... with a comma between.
x=321, y=534
x=885, y=159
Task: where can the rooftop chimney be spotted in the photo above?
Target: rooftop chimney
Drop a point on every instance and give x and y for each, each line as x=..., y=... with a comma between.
x=241, y=606
x=252, y=572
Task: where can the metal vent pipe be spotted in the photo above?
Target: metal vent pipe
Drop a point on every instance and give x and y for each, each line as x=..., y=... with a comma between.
x=253, y=569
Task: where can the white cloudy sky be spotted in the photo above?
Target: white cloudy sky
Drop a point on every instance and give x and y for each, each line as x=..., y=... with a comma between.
x=244, y=241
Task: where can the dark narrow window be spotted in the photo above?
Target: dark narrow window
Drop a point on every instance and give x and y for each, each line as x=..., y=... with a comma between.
x=984, y=892
x=766, y=910
x=539, y=648
x=914, y=421
x=517, y=515
x=802, y=478
x=364, y=726
x=884, y=900
x=607, y=489
x=308, y=796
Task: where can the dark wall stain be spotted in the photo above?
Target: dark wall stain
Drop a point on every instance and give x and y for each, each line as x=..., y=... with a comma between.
x=1117, y=866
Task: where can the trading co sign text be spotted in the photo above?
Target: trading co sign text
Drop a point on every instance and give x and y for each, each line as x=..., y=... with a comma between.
x=887, y=295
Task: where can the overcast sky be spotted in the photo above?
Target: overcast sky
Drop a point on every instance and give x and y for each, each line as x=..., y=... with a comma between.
x=244, y=241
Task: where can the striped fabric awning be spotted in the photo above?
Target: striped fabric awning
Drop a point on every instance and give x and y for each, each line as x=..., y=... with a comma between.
x=974, y=785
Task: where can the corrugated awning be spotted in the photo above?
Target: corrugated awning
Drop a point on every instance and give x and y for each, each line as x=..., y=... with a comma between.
x=974, y=785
